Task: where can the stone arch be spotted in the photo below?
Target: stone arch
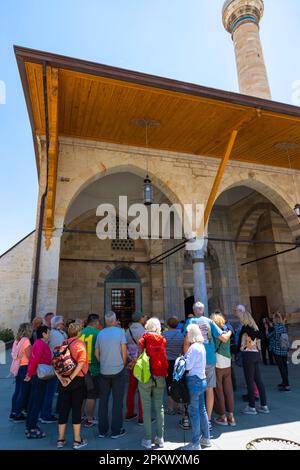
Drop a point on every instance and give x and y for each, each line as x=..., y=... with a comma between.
x=248, y=225
x=280, y=200
x=100, y=172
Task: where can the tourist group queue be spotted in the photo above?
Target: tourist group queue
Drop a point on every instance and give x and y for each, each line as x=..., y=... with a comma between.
x=84, y=364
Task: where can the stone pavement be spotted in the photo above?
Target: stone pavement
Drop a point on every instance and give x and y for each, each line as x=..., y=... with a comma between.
x=283, y=422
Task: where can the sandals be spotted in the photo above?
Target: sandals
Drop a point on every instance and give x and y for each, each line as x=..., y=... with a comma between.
x=35, y=434
x=61, y=443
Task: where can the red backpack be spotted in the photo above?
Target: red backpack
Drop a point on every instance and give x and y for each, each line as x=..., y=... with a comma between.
x=62, y=360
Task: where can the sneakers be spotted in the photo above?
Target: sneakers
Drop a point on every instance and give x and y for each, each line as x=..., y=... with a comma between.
x=146, y=443
x=285, y=388
x=102, y=436
x=204, y=442
x=131, y=418
x=249, y=411
x=12, y=416
x=159, y=441
x=263, y=409
x=116, y=436
x=19, y=419
x=78, y=445
x=221, y=421
x=210, y=426
x=50, y=420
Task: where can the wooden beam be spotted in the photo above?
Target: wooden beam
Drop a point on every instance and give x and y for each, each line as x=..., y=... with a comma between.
x=219, y=176
x=52, y=98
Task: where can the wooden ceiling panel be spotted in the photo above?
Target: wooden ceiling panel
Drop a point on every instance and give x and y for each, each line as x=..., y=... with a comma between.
x=99, y=103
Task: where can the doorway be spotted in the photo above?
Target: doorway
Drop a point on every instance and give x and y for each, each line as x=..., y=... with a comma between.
x=259, y=308
x=123, y=294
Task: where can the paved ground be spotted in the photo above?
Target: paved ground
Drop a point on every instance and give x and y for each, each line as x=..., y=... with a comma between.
x=283, y=422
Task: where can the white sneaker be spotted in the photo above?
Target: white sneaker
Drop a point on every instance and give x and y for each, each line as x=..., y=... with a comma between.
x=159, y=441
x=263, y=409
x=146, y=443
x=205, y=442
x=249, y=411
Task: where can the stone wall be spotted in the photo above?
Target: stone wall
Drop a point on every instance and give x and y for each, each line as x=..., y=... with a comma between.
x=16, y=281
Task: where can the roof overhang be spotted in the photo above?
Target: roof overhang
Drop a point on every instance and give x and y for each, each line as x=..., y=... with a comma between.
x=100, y=102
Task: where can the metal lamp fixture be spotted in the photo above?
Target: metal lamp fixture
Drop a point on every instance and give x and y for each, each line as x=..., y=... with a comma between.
x=148, y=192
x=148, y=188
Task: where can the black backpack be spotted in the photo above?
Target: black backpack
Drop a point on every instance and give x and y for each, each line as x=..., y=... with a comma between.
x=179, y=392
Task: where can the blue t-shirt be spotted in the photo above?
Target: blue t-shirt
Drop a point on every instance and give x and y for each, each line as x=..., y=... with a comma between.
x=210, y=331
x=109, y=342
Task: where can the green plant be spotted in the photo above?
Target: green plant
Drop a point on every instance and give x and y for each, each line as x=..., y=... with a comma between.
x=6, y=335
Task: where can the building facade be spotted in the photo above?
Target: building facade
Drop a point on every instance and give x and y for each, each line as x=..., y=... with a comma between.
x=89, y=151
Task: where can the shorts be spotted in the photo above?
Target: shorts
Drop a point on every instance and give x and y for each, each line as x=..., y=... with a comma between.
x=92, y=392
x=210, y=373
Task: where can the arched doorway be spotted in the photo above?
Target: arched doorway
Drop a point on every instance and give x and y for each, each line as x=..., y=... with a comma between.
x=123, y=294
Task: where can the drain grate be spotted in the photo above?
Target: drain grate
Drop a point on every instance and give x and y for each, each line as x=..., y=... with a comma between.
x=272, y=443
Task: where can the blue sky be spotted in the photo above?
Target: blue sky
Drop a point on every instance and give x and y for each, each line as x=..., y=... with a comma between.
x=180, y=39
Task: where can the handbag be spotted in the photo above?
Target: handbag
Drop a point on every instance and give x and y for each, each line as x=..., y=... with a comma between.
x=45, y=372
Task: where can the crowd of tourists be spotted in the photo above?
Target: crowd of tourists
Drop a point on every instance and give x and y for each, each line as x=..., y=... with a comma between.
x=65, y=368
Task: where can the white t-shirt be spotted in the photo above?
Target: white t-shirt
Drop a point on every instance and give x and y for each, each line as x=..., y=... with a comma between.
x=223, y=362
x=196, y=360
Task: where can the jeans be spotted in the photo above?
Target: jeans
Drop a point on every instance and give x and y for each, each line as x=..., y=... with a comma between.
x=281, y=362
x=114, y=384
x=154, y=389
x=51, y=388
x=197, y=409
x=36, y=398
x=132, y=387
x=252, y=376
x=21, y=392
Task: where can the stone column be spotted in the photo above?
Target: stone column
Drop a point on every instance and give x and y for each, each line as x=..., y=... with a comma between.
x=49, y=272
x=241, y=19
x=200, y=290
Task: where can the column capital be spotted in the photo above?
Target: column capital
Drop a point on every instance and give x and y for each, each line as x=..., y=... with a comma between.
x=198, y=254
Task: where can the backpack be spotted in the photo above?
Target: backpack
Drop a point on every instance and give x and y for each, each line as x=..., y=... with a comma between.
x=62, y=360
x=178, y=390
x=284, y=342
x=142, y=370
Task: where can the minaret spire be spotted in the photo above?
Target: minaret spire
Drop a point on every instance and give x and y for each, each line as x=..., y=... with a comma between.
x=241, y=18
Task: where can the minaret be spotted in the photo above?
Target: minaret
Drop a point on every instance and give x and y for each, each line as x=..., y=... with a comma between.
x=241, y=18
